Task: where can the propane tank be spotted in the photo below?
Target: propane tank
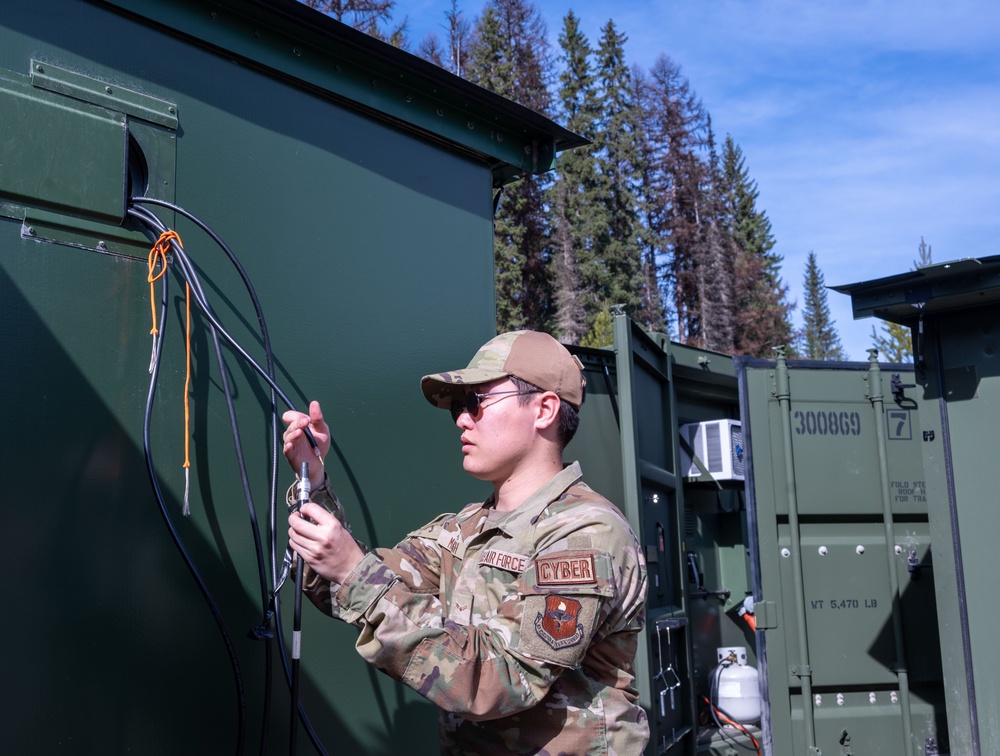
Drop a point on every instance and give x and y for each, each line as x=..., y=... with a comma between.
x=736, y=685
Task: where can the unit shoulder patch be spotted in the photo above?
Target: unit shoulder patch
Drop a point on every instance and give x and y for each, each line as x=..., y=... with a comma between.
x=559, y=623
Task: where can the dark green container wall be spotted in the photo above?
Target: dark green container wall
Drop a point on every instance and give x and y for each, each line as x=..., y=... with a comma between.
x=960, y=381
x=371, y=250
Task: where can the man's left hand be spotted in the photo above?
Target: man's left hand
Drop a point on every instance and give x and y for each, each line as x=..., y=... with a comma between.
x=323, y=543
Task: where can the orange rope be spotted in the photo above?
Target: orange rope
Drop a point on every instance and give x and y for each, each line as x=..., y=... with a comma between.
x=158, y=255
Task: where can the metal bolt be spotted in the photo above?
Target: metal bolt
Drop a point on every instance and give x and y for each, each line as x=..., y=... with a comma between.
x=38, y=67
x=108, y=90
x=31, y=230
x=840, y=699
x=818, y=700
x=786, y=553
x=823, y=551
x=499, y=137
x=894, y=697
x=102, y=245
x=471, y=125
x=860, y=550
x=898, y=550
x=408, y=98
x=871, y=698
x=171, y=109
x=296, y=51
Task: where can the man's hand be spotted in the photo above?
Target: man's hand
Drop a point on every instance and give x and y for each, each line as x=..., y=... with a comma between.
x=323, y=544
x=297, y=448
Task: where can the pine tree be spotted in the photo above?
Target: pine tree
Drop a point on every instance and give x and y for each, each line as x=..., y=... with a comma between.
x=895, y=343
x=759, y=295
x=509, y=56
x=676, y=131
x=576, y=215
x=819, y=339
x=717, y=253
x=373, y=17
x=601, y=333
x=615, y=272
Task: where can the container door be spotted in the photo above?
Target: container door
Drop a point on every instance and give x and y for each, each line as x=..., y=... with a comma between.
x=627, y=448
x=847, y=636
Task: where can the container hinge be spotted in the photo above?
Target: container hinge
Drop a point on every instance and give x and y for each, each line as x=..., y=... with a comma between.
x=800, y=670
x=766, y=615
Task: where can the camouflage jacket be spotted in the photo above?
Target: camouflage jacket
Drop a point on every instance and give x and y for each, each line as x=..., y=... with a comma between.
x=521, y=626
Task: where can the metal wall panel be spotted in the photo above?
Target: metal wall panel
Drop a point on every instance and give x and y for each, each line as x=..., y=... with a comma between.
x=841, y=541
x=371, y=251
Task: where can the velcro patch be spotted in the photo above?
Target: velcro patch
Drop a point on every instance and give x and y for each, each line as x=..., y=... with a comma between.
x=503, y=560
x=449, y=540
x=565, y=570
x=559, y=623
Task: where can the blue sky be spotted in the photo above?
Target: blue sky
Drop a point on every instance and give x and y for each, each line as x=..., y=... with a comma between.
x=867, y=124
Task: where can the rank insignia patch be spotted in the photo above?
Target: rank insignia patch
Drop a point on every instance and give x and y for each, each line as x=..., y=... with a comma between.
x=558, y=625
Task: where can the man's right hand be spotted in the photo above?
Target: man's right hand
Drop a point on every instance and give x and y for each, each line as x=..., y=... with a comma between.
x=297, y=448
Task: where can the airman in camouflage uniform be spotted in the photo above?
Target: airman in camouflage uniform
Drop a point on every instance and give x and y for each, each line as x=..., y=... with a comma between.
x=519, y=615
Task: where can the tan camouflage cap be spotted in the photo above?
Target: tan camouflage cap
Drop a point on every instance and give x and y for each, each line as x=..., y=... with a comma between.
x=529, y=355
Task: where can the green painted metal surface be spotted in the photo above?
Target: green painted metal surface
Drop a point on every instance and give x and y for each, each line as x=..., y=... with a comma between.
x=639, y=390
x=369, y=241
x=841, y=543
x=955, y=326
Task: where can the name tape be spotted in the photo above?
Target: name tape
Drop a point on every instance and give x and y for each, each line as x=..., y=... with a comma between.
x=576, y=570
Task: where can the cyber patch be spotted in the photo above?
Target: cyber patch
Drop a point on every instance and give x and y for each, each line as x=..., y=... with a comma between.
x=559, y=623
x=565, y=570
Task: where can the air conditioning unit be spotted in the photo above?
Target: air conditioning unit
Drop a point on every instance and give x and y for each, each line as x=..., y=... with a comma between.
x=719, y=446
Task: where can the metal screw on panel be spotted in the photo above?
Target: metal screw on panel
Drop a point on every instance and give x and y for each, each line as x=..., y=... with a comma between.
x=871, y=698
x=499, y=137
x=31, y=230
x=840, y=699
x=171, y=110
x=786, y=553
x=102, y=245
x=898, y=550
x=38, y=67
x=894, y=697
x=471, y=125
x=440, y=111
x=818, y=700
x=823, y=551
x=408, y=98
x=860, y=550
x=108, y=90
x=296, y=51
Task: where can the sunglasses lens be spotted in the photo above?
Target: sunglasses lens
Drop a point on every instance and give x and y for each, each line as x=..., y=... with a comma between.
x=469, y=403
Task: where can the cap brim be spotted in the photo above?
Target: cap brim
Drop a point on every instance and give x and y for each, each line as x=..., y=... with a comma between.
x=441, y=389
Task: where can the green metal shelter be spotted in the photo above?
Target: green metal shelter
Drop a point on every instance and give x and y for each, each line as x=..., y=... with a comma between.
x=355, y=184
x=952, y=310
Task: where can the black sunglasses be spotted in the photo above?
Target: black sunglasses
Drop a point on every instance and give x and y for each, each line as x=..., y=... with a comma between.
x=472, y=403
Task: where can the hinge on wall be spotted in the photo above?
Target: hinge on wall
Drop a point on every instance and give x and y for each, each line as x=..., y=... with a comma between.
x=766, y=614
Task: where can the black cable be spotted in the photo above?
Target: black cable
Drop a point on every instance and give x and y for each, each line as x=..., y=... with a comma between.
x=188, y=273
x=178, y=542
x=248, y=495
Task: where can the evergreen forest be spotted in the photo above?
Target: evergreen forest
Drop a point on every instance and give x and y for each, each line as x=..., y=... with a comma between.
x=657, y=217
